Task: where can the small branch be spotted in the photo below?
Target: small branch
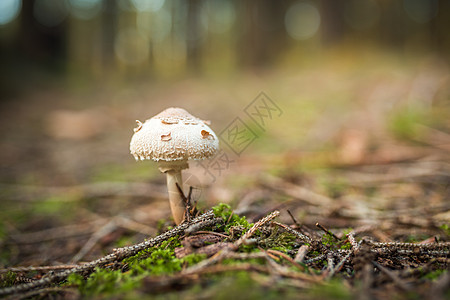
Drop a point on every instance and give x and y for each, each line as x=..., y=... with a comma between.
x=411, y=246
x=255, y=227
x=339, y=265
x=212, y=232
x=352, y=240
x=293, y=219
x=196, y=227
x=317, y=258
x=299, y=235
x=37, y=268
x=223, y=253
x=117, y=255
x=327, y=231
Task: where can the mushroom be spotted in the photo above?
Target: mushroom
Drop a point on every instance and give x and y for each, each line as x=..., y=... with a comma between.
x=171, y=138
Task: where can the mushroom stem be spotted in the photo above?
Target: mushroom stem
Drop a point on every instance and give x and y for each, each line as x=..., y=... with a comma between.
x=177, y=204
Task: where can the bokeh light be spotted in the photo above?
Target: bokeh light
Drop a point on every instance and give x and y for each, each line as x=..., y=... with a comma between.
x=302, y=21
x=132, y=46
x=9, y=10
x=126, y=5
x=156, y=25
x=421, y=11
x=148, y=5
x=169, y=56
x=361, y=14
x=218, y=16
x=85, y=9
x=50, y=13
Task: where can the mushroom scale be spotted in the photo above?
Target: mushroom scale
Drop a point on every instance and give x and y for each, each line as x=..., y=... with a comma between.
x=173, y=135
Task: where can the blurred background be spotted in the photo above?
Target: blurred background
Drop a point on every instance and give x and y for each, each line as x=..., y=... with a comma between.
x=359, y=82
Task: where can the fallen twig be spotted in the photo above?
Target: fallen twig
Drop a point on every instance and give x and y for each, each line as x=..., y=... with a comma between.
x=327, y=231
x=37, y=268
x=339, y=265
x=255, y=227
x=352, y=240
x=299, y=235
x=117, y=255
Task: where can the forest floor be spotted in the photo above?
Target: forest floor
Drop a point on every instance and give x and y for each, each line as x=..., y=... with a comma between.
x=335, y=197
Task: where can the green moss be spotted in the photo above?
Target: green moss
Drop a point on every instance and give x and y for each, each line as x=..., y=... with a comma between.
x=435, y=274
x=230, y=219
x=328, y=240
x=7, y=279
x=168, y=246
x=279, y=240
x=346, y=246
x=109, y=282
x=445, y=228
x=159, y=260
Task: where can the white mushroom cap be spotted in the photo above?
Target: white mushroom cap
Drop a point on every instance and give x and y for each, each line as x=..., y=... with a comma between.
x=173, y=135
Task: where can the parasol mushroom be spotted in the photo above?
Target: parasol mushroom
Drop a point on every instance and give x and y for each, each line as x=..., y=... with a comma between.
x=171, y=138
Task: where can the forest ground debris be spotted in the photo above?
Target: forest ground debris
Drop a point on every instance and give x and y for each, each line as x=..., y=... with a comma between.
x=228, y=243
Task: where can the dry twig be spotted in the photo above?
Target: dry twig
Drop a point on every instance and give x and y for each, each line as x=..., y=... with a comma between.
x=299, y=235
x=37, y=268
x=117, y=255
